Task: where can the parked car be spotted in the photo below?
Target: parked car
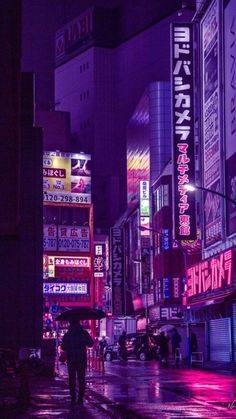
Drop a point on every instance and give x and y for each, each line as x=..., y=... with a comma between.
x=138, y=345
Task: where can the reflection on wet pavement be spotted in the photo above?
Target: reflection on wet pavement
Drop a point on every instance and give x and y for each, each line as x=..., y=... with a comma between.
x=137, y=390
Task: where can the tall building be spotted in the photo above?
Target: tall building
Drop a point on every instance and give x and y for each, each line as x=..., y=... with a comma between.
x=211, y=282
x=105, y=59
x=21, y=208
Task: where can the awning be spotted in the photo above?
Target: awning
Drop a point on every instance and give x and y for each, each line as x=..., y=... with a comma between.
x=195, y=305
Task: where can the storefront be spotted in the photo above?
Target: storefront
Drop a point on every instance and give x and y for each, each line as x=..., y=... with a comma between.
x=211, y=288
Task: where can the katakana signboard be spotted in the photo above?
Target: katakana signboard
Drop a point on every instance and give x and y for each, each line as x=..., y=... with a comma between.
x=183, y=130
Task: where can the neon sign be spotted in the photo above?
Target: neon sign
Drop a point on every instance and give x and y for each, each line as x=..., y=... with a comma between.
x=211, y=274
x=65, y=288
x=183, y=130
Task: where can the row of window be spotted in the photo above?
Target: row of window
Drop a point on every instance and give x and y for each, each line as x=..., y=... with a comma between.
x=83, y=67
x=84, y=95
x=85, y=124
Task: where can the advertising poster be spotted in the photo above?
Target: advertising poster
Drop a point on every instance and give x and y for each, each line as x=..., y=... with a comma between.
x=183, y=131
x=211, y=120
x=49, y=237
x=230, y=111
x=73, y=239
x=66, y=178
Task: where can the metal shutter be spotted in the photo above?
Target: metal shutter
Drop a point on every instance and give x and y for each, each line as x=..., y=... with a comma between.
x=234, y=331
x=220, y=340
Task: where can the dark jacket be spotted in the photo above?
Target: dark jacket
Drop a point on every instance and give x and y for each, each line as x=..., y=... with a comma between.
x=75, y=343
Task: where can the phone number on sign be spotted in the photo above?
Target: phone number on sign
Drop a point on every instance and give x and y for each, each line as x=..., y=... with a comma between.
x=67, y=198
x=73, y=244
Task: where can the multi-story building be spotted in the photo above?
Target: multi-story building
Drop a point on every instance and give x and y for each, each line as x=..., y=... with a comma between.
x=211, y=283
x=68, y=235
x=105, y=59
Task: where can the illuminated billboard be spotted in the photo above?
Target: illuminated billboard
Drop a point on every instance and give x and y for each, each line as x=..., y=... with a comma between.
x=65, y=288
x=230, y=112
x=65, y=238
x=66, y=178
x=73, y=239
x=66, y=267
x=211, y=274
x=183, y=130
x=211, y=122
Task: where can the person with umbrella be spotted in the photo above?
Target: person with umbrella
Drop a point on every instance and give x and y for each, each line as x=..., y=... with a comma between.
x=75, y=343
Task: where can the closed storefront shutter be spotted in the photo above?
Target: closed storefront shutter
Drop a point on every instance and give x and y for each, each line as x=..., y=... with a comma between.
x=234, y=331
x=220, y=340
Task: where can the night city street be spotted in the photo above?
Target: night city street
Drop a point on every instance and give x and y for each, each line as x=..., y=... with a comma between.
x=118, y=209
x=139, y=390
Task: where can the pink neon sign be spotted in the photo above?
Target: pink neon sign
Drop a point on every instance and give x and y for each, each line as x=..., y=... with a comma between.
x=211, y=274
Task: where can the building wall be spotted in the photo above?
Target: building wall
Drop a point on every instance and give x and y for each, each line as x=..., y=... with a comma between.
x=131, y=67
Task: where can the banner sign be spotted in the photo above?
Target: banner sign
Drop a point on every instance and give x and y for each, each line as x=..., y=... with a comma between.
x=117, y=270
x=146, y=265
x=183, y=130
x=166, y=283
x=211, y=122
x=211, y=274
x=74, y=37
x=65, y=288
x=144, y=198
x=99, y=258
x=176, y=288
x=230, y=111
x=66, y=178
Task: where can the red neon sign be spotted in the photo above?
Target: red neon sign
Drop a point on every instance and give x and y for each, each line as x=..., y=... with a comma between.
x=211, y=274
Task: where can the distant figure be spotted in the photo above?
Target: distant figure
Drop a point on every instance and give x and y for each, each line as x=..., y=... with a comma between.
x=75, y=343
x=175, y=340
x=122, y=343
x=102, y=344
x=193, y=342
x=96, y=346
x=164, y=348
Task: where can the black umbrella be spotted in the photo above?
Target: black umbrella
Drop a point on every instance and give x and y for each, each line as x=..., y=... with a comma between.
x=81, y=313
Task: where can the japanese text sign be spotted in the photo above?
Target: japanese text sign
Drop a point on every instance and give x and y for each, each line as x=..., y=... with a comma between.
x=65, y=288
x=117, y=269
x=211, y=274
x=183, y=130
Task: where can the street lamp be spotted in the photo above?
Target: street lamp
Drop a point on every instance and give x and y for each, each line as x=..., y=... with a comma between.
x=192, y=188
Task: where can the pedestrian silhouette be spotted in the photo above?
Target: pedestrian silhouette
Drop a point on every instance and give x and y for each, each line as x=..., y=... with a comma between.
x=164, y=349
x=175, y=342
x=102, y=344
x=122, y=344
x=75, y=343
x=193, y=342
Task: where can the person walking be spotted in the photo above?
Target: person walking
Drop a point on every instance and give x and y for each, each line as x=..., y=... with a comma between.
x=122, y=344
x=193, y=341
x=164, y=349
x=102, y=345
x=175, y=342
x=75, y=343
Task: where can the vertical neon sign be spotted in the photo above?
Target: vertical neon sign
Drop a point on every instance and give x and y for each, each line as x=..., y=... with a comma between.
x=183, y=130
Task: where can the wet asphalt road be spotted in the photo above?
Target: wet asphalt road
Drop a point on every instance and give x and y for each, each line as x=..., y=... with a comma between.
x=135, y=390
x=144, y=390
